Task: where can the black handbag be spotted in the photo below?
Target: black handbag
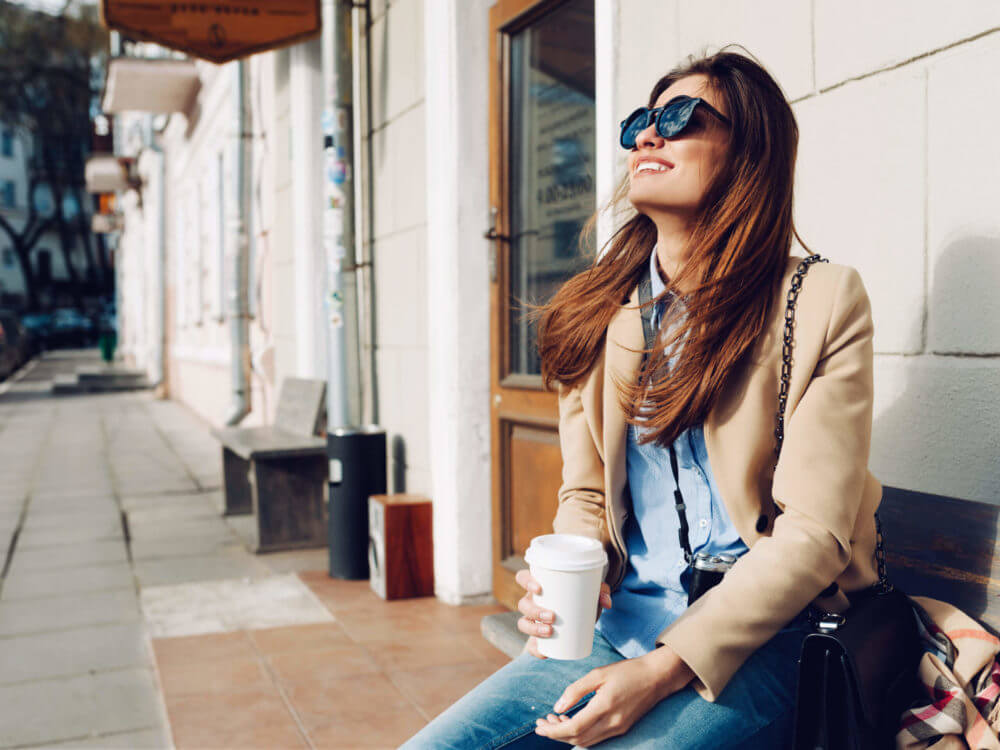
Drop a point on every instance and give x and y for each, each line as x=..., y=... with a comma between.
x=858, y=668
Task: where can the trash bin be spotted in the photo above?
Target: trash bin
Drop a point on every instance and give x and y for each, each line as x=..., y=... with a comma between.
x=108, y=342
x=357, y=470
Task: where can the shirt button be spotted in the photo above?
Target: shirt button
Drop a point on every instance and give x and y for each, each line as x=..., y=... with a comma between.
x=703, y=523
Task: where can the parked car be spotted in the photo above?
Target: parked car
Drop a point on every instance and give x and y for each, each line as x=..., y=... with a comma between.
x=70, y=327
x=14, y=350
x=39, y=327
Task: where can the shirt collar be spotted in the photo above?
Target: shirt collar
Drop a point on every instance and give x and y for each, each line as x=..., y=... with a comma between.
x=654, y=275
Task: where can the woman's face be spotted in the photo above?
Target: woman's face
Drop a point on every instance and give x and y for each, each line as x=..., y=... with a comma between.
x=691, y=157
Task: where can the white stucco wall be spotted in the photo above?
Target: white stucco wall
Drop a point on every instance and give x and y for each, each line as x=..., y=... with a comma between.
x=895, y=178
x=399, y=240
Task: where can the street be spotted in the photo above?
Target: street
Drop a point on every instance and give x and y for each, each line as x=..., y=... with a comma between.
x=126, y=598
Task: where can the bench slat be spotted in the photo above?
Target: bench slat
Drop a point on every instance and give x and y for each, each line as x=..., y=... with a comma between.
x=300, y=405
x=944, y=548
x=268, y=442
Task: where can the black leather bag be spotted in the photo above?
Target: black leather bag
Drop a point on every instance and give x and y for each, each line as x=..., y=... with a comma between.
x=857, y=674
x=857, y=669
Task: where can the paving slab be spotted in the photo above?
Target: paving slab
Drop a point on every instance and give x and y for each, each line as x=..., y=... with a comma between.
x=26, y=584
x=162, y=549
x=35, y=616
x=101, y=516
x=61, y=535
x=107, y=552
x=187, y=510
x=224, y=606
x=79, y=708
x=73, y=652
x=212, y=499
x=211, y=526
x=149, y=739
x=176, y=570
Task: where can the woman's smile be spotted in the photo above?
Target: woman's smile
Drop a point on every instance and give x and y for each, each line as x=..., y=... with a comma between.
x=645, y=165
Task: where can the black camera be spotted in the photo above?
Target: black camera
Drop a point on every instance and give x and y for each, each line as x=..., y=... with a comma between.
x=706, y=571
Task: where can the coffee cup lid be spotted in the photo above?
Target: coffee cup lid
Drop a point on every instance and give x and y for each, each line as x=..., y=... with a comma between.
x=570, y=552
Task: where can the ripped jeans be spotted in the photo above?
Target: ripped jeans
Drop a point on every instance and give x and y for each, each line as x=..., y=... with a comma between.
x=755, y=710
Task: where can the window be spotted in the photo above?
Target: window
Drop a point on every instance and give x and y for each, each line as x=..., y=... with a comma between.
x=8, y=196
x=8, y=258
x=7, y=143
x=552, y=145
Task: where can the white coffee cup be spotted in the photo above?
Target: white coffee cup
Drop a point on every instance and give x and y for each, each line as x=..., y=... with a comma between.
x=569, y=568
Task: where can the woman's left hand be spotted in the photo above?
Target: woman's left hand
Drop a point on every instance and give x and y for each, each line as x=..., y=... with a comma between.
x=626, y=690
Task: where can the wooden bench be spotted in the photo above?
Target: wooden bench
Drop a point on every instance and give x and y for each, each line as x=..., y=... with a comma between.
x=279, y=473
x=944, y=548
x=936, y=546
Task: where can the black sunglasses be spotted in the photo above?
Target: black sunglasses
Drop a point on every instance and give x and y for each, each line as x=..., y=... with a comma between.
x=670, y=119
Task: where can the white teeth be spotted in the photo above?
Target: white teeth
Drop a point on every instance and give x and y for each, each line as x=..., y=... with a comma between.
x=651, y=166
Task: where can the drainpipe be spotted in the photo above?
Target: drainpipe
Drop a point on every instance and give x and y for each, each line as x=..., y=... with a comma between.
x=338, y=193
x=238, y=246
x=159, y=241
x=364, y=274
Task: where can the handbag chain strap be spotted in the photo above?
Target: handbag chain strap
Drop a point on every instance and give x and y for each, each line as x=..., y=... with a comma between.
x=645, y=295
x=882, y=585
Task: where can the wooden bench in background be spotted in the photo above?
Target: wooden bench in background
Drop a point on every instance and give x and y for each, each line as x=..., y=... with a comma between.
x=936, y=546
x=279, y=472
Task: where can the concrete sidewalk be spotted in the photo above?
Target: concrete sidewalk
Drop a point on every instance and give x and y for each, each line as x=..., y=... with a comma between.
x=110, y=534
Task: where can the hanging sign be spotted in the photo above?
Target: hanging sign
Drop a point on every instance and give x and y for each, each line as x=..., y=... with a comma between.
x=216, y=30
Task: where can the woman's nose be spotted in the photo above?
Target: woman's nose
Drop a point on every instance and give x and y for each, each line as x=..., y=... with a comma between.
x=648, y=137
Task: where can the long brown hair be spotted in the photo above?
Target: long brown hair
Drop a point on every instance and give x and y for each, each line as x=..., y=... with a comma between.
x=739, y=244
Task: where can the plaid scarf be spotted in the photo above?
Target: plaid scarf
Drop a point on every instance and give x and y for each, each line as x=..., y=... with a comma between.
x=959, y=708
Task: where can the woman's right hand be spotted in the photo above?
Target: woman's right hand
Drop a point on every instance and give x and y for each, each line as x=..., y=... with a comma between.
x=537, y=622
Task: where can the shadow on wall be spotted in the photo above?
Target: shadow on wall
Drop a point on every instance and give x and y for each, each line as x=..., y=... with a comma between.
x=939, y=433
x=398, y=464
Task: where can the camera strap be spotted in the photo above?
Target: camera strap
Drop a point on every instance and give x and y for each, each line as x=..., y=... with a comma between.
x=645, y=295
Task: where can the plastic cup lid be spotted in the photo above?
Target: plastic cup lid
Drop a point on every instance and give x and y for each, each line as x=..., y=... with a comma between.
x=566, y=552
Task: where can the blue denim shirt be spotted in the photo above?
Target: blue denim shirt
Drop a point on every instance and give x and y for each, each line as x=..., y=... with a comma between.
x=654, y=591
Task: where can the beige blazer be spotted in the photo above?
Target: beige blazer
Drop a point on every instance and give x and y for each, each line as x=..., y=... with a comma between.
x=826, y=530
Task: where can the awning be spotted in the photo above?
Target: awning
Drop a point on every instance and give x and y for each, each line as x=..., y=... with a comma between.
x=160, y=86
x=105, y=173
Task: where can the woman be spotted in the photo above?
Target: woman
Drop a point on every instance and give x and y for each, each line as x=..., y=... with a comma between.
x=711, y=182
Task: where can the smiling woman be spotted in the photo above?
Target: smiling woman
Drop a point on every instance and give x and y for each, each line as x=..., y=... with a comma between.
x=699, y=272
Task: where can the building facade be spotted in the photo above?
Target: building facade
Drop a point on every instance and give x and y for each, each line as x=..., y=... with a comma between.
x=474, y=116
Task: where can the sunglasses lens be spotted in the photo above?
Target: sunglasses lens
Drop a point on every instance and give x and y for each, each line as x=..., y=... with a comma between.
x=674, y=118
x=634, y=124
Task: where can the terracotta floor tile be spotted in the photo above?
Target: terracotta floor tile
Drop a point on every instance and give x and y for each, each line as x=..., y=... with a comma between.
x=390, y=731
x=197, y=649
x=315, y=669
x=360, y=698
x=486, y=650
x=466, y=617
x=382, y=622
x=418, y=650
x=214, y=676
x=338, y=594
x=435, y=688
x=299, y=637
x=223, y=721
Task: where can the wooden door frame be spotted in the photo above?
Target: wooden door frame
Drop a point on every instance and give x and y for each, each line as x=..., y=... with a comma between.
x=522, y=397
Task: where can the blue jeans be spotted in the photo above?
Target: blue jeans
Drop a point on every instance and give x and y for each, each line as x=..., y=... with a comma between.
x=755, y=709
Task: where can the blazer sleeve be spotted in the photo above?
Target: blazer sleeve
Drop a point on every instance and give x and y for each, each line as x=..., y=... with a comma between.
x=818, y=484
x=581, y=494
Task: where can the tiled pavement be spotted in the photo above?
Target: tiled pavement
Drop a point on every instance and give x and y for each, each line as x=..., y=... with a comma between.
x=132, y=615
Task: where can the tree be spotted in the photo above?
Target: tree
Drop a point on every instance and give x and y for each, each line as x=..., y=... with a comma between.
x=49, y=87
